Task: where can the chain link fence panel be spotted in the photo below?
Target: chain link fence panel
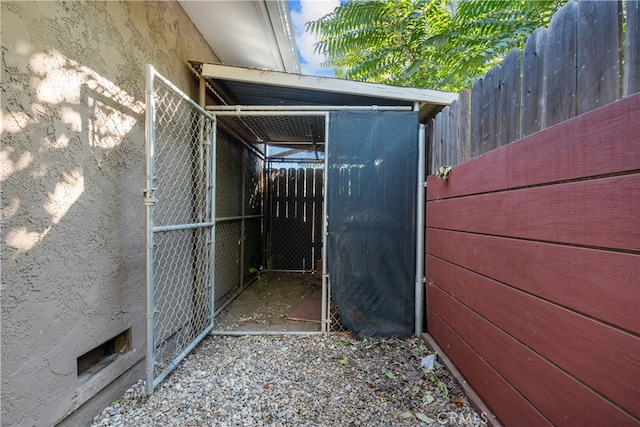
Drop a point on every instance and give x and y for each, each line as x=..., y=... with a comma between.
x=228, y=235
x=239, y=218
x=180, y=225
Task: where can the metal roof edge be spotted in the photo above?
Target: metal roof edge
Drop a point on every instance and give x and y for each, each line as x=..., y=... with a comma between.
x=326, y=84
x=284, y=34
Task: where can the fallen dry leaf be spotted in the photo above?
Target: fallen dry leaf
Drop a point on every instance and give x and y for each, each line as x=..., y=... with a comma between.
x=458, y=400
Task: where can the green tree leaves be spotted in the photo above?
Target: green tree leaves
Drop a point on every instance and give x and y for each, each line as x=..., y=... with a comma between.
x=440, y=44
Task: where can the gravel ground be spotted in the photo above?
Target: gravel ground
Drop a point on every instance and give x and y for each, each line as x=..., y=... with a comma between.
x=318, y=380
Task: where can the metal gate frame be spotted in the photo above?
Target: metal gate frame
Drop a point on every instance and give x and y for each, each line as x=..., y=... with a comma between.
x=179, y=294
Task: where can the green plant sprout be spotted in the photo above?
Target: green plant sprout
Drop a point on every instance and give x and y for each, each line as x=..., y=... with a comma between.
x=261, y=275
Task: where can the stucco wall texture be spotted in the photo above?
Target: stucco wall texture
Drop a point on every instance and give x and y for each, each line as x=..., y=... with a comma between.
x=72, y=171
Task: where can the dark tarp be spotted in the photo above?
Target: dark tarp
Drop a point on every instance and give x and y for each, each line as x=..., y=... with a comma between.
x=371, y=211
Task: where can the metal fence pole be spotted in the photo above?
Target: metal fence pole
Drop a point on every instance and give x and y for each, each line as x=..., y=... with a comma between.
x=212, y=183
x=267, y=211
x=149, y=201
x=420, y=212
x=326, y=316
x=243, y=195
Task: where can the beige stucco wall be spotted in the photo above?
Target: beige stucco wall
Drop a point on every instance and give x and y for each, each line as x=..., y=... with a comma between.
x=72, y=170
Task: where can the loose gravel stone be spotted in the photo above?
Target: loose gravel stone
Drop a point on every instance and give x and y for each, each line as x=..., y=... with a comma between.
x=284, y=380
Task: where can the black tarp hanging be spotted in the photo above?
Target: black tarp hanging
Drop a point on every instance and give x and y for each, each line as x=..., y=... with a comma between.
x=372, y=166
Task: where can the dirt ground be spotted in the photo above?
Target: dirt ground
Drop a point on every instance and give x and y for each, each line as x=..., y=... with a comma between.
x=275, y=302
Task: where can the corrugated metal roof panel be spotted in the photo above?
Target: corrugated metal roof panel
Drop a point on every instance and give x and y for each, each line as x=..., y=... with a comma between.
x=238, y=86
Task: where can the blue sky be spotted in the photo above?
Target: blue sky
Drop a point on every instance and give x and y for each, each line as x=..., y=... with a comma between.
x=303, y=11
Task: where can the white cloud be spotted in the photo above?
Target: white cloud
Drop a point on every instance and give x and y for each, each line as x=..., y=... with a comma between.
x=311, y=10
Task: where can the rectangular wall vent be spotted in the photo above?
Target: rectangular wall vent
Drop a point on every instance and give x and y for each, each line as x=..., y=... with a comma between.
x=100, y=356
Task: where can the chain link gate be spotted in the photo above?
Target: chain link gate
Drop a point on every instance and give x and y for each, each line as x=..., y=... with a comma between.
x=180, y=225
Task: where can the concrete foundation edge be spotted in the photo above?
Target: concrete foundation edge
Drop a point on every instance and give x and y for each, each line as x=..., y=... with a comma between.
x=83, y=416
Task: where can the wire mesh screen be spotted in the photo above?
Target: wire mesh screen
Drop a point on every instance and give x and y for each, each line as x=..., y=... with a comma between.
x=180, y=225
x=335, y=323
x=239, y=217
x=228, y=178
x=253, y=183
x=371, y=220
x=253, y=243
x=227, y=261
x=273, y=128
x=253, y=247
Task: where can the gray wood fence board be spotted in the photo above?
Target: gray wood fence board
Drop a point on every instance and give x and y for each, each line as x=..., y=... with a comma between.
x=310, y=204
x=318, y=220
x=300, y=198
x=281, y=190
x=308, y=187
x=441, y=126
x=598, y=54
x=476, y=114
x=291, y=189
x=509, y=99
x=560, y=65
x=438, y=141
x=305, y=239
x=569, y=69
x=532, y=117
x=430, y=145
x=435, y=144
x=632, y=49
x=445, y=142
x=462, y=126
x=488, y=117
x=453, y=147
x=439, y=129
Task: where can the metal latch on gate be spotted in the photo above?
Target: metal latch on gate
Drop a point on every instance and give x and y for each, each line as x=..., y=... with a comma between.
x=149, y=196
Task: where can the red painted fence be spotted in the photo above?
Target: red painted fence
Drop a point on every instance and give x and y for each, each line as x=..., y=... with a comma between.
x=533, y=268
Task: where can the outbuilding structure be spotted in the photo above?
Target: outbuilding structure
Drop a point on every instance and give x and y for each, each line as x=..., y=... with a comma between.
x=221, y=205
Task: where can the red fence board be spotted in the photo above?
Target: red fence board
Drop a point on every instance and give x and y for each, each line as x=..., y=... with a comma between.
x=577, y=278
x=575, y=343
x=504, y=400
x=571, y=150
x=562, y=399
x=600, y=213
x=533, y=262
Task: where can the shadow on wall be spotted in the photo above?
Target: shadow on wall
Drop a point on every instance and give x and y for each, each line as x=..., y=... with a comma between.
x=71, y=167
x=102, y=115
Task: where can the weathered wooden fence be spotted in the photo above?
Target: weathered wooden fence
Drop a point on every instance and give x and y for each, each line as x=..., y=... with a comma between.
x=533, y=269
x=295, y=218
x=584, y=60
x=533, y=248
